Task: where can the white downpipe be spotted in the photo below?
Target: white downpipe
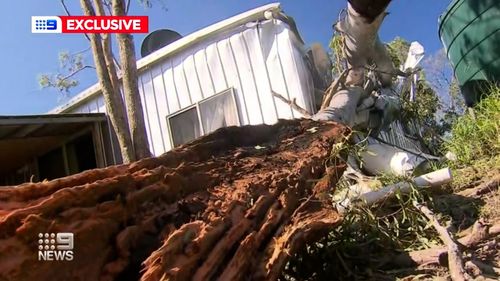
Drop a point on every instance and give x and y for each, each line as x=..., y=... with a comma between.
x=433, y=179
x=379, y=158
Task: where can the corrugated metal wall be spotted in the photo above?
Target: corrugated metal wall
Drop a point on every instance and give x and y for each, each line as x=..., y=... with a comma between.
x=395, y=134
x=255, y=60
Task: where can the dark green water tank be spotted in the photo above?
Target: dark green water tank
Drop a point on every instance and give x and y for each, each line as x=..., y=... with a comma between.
x=470, y=33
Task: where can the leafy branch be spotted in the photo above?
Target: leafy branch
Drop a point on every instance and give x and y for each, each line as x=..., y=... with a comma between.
x=70, y=64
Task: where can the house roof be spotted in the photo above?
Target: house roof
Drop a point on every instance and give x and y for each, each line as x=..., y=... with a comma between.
x=26, y=136
x=256, y=14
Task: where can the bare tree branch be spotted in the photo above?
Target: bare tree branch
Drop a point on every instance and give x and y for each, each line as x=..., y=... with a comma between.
x=293, y=104
x=455, y=262
x=82, y=51
x=76, y=72
x=68, y=13
x=130, y=87
x=66, y=10
x=330, y=92
x=107, y=4
x=113, y=100
x=128, y=7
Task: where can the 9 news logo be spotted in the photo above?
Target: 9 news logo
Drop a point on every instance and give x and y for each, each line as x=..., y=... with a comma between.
x=47, y=24
x=89, y=24
x=55, y=246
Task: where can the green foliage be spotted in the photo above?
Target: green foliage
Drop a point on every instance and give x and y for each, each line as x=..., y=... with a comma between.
x=422, y=112
x=70, y=62
x=365, y=240
x=338, y=54
x=398, y=51
x=57, y=81
x=477, y=136
x=63, y=81
x=424, y=109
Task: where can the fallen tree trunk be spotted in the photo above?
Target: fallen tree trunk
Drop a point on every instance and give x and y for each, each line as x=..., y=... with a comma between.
x=232, y=205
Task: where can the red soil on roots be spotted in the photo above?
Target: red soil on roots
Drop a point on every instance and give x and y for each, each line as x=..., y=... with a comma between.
x=232, y=205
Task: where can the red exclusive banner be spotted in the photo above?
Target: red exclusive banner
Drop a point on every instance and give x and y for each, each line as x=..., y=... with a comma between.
x=104, y=24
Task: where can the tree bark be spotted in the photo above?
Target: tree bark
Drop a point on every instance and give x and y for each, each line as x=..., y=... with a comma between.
x=107, y=50
x=369, y=9
x=113, y=101
x=130, y=87
x=112, y=71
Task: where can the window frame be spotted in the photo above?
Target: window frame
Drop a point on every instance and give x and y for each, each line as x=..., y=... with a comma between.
x=229, y=91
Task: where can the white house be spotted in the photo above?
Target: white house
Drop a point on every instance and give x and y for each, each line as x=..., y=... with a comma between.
x=222, y=75
x=235, y=72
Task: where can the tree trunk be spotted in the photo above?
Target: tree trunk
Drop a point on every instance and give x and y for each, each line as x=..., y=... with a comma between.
x=107, y=50
x=369, y=9
x=113, y=101
x=130, y=87
x=110, y=65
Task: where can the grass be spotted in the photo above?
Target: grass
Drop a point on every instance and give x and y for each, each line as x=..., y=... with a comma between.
x=477, y=137
x=475, y=140
x=475, y=171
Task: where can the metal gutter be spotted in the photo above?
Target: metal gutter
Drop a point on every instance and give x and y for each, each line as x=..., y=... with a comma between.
x=51, y=118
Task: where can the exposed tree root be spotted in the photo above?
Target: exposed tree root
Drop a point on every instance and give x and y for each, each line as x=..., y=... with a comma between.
x=229, y=206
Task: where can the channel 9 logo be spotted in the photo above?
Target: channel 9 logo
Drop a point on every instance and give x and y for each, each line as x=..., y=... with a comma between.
x=55, y=246
x=46, y=24
x=89, y=24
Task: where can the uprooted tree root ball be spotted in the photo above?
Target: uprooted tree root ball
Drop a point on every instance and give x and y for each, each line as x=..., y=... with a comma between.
x=233, y=205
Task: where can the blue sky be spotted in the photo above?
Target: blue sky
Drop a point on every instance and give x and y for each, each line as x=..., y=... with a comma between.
x=25, y=55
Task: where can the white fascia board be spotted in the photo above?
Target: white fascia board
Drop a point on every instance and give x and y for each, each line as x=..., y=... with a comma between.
x=177, y=46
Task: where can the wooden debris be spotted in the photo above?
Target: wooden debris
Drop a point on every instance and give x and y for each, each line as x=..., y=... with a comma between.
x=332, y=90
x=455, y=262
x=483, y=188
x=293, y=104
x=437, y=255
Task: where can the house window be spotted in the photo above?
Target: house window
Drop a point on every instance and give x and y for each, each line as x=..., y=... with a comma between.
x=203, y=117
x=184, y=126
